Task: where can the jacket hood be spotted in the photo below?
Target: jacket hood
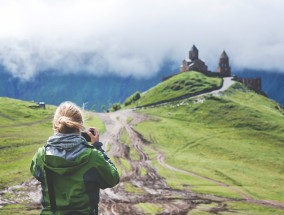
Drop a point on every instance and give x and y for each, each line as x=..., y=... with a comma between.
x=65, y=153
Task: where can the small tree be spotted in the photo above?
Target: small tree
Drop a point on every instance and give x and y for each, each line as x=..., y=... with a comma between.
x=116, y=106
x=94, y=107
x=134, y=97
x=103, y=108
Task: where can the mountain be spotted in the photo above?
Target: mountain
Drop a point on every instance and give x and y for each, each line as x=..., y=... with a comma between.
x=98, y=91
x=53, y=88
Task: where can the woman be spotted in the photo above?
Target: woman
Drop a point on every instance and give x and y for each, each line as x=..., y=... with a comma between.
x=70, y=170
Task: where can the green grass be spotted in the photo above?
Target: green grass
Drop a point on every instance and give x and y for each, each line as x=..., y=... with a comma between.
x=19, y=209
x=150, y=208
x=179, y=85
x=125, y=139
x=130, y=188
x=22, y=131
x=251, y=209
x=183, y=181
x=91, y=120
x=237, y=139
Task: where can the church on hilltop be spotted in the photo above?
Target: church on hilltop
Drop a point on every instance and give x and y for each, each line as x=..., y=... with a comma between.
x=193, y=63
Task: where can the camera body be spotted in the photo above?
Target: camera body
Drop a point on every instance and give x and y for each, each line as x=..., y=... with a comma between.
x=86, y=136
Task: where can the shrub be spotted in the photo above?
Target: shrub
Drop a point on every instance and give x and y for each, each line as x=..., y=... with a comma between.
x=136, y=96
x=115, y=107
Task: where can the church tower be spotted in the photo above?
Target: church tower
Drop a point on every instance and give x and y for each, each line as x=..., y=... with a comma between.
x=193, y=53
x=224, y=67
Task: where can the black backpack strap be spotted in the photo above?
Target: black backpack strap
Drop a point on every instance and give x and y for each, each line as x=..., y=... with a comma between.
x=50, y=188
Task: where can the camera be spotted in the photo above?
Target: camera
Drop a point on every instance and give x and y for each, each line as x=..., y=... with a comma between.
x=86, y=136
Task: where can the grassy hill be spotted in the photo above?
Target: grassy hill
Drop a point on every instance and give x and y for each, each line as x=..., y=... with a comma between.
x=22, y=131
x=236, y=138
x=182, y=84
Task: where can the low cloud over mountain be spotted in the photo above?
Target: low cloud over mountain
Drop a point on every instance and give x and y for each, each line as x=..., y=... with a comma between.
x=132, y=37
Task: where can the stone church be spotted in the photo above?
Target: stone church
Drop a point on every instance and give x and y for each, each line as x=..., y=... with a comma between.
x=193, y=63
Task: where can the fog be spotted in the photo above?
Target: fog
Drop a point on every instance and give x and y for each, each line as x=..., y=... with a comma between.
x=134, y=37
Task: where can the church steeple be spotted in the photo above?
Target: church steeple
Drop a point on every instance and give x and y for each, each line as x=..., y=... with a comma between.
x=193, y=53
x=224, y=55
x=224, y=66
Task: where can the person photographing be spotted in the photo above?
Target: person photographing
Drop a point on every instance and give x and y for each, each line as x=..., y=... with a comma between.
x=72, y=171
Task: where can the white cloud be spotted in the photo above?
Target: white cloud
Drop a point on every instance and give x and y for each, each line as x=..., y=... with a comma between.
x=133, y=37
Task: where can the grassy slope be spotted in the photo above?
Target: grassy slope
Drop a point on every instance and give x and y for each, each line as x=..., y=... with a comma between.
x=237, y=138
x=22, y=131
x=179, y=85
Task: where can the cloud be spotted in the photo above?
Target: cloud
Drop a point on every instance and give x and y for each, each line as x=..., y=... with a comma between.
x=133, y=37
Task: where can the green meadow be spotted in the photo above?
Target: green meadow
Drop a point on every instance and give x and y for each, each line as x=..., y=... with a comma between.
x=22, y=131
x=236, y=139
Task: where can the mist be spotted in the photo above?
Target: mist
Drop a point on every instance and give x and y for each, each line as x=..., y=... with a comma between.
x=134, y=38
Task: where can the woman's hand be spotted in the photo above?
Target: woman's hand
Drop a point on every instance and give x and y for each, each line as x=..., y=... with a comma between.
x=94, y=137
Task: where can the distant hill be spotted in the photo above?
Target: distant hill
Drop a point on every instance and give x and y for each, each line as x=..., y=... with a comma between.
x=181, y=85
x=106, y=90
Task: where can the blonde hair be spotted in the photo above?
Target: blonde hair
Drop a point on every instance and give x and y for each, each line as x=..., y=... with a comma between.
x=68, y=118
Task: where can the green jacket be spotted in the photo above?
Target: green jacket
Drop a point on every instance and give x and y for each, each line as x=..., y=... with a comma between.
x=71, y=173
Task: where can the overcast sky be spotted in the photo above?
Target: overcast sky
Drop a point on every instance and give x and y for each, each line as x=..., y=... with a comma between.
x=134, y=37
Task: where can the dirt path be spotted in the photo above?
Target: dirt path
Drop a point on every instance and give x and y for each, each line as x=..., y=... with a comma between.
x=161, y=160
x=151, y=188
x=155, y=189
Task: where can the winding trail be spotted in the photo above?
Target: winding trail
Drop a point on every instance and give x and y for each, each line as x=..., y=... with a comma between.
x=155, y=187
x=161, y=160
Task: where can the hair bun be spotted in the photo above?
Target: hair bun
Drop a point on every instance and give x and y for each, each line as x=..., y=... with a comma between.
x=67, y=118
x=63, y=120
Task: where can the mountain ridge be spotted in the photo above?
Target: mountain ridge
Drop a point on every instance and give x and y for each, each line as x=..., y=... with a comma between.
x=98, y=91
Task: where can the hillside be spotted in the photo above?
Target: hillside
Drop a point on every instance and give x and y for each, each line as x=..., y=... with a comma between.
x=22, y=131
x=183, y=84
x=204, y=155
x=236, y=139
x=272, y=82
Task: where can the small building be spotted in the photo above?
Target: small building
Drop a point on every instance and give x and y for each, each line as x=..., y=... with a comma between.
x=41, y=105
x=38, y=105
x=193, y=63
